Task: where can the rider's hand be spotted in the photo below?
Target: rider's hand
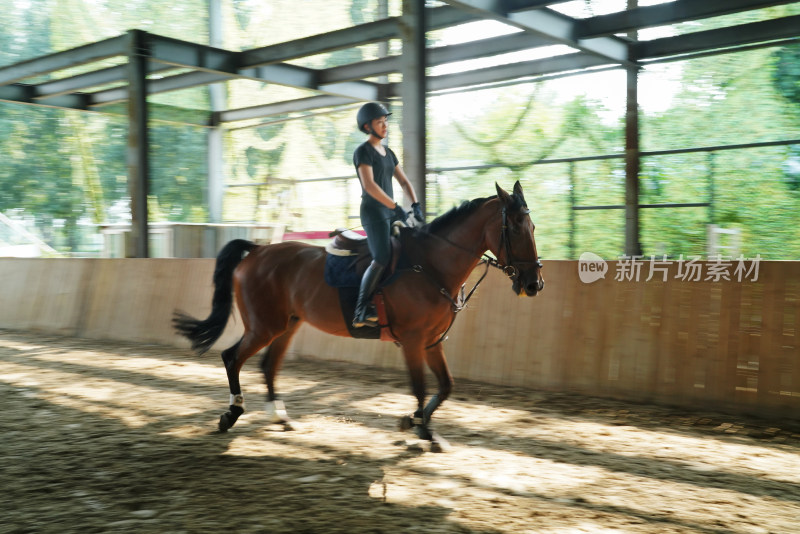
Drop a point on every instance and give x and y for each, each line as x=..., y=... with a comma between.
x=418, y=215
x=400, y=214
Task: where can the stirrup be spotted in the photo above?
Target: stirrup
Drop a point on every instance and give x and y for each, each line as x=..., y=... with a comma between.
x=369, y=317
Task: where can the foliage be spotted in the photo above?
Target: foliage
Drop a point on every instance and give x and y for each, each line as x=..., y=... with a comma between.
x=725, y=100
x=786, y=73
x=62, y=171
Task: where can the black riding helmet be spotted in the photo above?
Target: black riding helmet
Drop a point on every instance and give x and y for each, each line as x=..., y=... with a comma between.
x=370, y=112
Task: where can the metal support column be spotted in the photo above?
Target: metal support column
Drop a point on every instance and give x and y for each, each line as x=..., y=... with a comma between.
x=632, y=164
x=217, y=97
x=412, y=30
x=573, y=201
x=138, y=145
x=712, y=167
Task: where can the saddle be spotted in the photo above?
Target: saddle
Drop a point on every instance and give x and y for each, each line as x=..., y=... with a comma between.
x=347, y=243
x=352, y=254
x=347, y=259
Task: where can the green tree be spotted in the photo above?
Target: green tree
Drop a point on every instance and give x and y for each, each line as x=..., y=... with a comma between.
x=786, y=73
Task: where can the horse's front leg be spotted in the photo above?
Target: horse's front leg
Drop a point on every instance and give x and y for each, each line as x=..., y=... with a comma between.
x=420, y=420
x=415, y=355
x=438, y=364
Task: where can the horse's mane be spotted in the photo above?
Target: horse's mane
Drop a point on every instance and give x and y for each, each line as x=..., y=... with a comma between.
x=455, y=214
x=467, y=208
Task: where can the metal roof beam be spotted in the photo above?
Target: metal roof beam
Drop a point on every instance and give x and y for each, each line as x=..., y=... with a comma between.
x=668, y=13
x=171, y=83
x=26, y=94
x=185, y=54
x=550, y=24
x=437, y=56
x=486, y=48
x=535, y=4
x=96, y=78
x=278, y=108
x=186, y=80
x=17, y=92
x=362, y=34
x=732, y=36
x=206, y=58
x=115, y=46
x=538, y=67
x=283, y=74
x=360, y=70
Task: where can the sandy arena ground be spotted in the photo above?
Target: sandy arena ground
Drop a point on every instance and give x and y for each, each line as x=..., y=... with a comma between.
x=110, y=437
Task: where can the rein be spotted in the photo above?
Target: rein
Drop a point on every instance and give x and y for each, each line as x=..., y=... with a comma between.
x=508, y=268
x=460, y=302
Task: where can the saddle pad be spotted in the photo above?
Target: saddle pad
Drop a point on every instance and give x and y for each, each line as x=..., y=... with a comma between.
x=340, y=271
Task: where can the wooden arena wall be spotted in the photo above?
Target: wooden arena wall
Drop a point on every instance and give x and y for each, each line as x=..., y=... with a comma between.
x=713, y=343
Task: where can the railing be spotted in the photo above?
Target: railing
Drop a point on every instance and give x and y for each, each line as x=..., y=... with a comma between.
x=573, y=200
x=574, y=206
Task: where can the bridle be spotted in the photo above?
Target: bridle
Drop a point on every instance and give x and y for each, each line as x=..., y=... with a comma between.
x=509, y=268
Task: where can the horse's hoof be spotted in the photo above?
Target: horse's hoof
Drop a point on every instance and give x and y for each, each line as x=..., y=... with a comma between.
x=288, y=426
x=225, y=422
x=228, y=419
x=406, y=423
x=422, y=432
x=439, y=444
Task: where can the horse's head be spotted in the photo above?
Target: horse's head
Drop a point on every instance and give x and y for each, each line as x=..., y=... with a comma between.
x=515, y=247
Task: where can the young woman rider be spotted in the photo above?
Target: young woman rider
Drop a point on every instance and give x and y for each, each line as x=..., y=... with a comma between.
x=376, y=164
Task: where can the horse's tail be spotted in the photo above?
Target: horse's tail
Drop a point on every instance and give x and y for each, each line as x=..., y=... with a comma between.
x=203, y=334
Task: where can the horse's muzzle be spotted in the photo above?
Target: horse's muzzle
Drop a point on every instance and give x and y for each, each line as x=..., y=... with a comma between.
x=529, y=283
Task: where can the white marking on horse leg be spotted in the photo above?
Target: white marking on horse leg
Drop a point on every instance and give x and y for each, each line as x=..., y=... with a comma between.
x=237, y=400
x=276, y=412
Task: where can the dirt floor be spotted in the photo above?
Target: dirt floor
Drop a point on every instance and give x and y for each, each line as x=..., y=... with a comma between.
x=108, y=437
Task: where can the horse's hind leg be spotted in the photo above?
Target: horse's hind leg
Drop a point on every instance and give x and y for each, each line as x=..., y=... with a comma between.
x=234, y=358
x=270, y=364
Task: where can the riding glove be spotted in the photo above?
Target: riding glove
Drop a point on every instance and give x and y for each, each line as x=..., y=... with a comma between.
x=418, y=215
x=399, y=213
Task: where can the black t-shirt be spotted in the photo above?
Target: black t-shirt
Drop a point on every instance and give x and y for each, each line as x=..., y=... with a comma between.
x=382, y=169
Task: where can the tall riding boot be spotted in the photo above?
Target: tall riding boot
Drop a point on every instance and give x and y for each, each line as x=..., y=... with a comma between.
x=366, y=314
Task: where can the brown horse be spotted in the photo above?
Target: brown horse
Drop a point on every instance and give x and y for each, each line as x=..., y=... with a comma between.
x=279, y=286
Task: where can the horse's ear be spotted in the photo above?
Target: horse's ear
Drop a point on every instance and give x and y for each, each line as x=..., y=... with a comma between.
x=502, y=194
x=518, y=191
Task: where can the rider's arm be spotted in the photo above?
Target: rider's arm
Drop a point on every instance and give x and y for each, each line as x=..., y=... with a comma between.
x=405, y=183
x=372, y=189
